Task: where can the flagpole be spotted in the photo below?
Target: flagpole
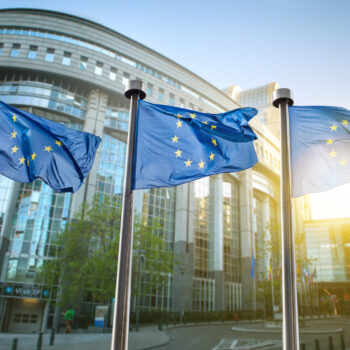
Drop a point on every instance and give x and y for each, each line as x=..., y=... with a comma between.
x=120, y=331
x=282, y=99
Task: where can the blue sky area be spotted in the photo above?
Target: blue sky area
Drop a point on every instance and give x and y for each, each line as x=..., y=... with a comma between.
x=303, y=45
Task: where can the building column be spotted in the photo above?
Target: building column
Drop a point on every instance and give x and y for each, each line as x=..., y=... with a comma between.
x=216, y=240
x=94, y=123
x=183, y=248
x=247, y=244
x=5, y=235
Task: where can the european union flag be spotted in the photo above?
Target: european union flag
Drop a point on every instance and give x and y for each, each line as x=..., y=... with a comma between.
x=175, y=145
x=33, y=147
x=320, y=148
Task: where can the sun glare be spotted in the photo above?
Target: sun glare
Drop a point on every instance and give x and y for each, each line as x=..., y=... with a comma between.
x=331, y=204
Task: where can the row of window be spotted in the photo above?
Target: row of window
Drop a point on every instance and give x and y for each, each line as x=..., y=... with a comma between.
x=112, y=54
x=83, y=65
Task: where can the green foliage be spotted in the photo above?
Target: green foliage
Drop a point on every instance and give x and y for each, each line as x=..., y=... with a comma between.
x=87, y=263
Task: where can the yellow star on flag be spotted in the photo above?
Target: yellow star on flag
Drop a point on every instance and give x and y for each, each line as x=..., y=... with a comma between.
x=213, y=141
x=205, y=122
x=14, y=149
x=48, y=148
x=179, y=124
x=34, y=155
x=188, y=162
x=175, y=139
x=332, y=154
x=14, y=118
x=193, y=115
x=22, y=160
x=58, y=143
x=201, y=165
x=27, y=162
x=343, y=162
x=213, y=127
x=178, y=153
x=13, y=135
x=179, y=115
x=212, y=155
x=329, y=141
x=334, y=127
x=345, y=122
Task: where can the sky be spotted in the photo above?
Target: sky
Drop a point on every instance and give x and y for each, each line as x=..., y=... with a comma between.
x=301, y=44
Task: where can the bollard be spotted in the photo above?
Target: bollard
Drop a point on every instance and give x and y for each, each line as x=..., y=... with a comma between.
x=317, y=344
x=52, y=336
x=14, y=344
x=330, y=343
x=342, y=342
x=40, y=341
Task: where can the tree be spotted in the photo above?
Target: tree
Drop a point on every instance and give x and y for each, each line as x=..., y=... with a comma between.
x=86, y=265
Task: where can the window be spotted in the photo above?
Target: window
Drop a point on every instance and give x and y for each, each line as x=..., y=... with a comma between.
x=149, y=89
x=15, y=50
x=161, y=94
x=191, y=106
x=50, y=55
x=32, y=52
x=171, y=99
x=182, y=103
x=83, y=63
x=113, y=74
x=125, y=80
x=98, y=68
x=66, y=58
x=1, y=46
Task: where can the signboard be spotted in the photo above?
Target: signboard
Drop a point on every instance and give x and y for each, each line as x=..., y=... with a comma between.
x=101, y=316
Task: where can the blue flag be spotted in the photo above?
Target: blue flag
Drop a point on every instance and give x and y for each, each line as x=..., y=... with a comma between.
x=176, y=145
x=320, y=148
x=252, y=268
x=33, y=147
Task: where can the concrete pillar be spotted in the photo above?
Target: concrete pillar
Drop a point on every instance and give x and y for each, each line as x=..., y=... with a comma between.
x=265, y=261
x=94, y=123
x=45, y=317
x=183, y=248
x=216, y=239
x=247, y=244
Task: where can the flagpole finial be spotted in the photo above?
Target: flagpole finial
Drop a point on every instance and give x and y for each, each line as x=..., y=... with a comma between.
x=134, y=86
x=280, y=95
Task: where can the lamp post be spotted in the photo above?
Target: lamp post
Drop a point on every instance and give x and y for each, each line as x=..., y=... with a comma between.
x=182, y=271
x=141, y=262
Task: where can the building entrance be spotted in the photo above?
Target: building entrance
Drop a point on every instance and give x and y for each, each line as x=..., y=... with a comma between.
x=26, y=316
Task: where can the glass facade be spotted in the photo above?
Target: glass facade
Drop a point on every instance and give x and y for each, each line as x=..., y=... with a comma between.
x=33, y=93
x=40, y=215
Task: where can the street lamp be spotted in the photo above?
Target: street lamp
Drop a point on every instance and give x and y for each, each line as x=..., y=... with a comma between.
x=140, y=268
x=182, y=271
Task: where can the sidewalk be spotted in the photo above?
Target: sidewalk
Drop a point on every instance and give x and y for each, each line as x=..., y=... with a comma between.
x=147, y=337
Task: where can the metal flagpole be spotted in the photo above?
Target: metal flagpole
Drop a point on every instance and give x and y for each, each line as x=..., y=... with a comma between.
x=282, y=99
x=120, y=331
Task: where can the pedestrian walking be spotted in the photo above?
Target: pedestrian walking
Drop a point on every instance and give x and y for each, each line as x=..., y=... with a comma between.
x=69, y=317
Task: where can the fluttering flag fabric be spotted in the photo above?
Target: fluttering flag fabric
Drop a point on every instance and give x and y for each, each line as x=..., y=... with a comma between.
x=320, y=148
x=176, y=145
x=33, y=147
